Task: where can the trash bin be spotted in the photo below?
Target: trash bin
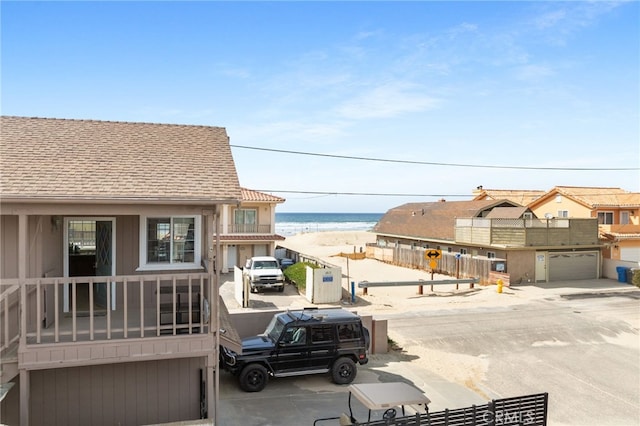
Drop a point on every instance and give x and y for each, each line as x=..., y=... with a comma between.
x=630, y=273
x=622, y=273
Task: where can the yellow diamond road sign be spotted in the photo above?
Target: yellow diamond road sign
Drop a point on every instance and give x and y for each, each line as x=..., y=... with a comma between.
x=432, y=254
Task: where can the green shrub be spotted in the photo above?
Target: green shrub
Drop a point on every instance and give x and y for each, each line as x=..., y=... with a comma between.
x=635, y=279
x=297, y=274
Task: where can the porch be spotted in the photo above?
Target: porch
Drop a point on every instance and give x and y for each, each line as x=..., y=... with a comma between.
x=49, y=322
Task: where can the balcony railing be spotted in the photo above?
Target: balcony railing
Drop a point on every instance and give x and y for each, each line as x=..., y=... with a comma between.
x=36, y=311
x=248, y=229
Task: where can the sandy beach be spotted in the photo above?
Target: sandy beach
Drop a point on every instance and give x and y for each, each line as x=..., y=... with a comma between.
x=328, y=246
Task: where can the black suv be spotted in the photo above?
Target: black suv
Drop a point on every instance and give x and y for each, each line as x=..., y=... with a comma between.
x=295, y=343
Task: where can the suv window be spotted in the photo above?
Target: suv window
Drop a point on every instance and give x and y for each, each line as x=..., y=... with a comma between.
x=295, y=336
x=321, y=333
x=348, y=332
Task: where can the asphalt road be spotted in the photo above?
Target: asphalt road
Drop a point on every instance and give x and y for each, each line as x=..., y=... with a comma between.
x=582, y=347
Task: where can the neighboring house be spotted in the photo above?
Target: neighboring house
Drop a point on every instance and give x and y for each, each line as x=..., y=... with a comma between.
x=249, y=229
x=488, y=239
x=520, y=196
x=109, y=298
x=617, y=211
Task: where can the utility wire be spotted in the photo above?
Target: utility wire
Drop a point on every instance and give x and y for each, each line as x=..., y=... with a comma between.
x=360, y=193
x=427, y=163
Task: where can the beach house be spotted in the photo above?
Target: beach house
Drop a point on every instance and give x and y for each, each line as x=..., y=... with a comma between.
x=489, y=240
x=109, y=302
x=249, y=229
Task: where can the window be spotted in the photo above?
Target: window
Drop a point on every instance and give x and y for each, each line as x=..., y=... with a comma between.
x=491, y=255
x=171, y=242
x=605, y=218
x=348, y=332
x=463, y=251
x=624, y=218
x=558, y=198
x=82, y=235
x=244, y=220
x=563, y=213
x=295, y=336
x=321, y=333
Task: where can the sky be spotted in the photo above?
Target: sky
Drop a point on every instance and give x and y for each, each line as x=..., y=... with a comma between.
x=398, y=101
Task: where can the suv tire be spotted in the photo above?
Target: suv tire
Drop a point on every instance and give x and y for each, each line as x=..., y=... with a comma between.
x=253, y=378
x=343, y=371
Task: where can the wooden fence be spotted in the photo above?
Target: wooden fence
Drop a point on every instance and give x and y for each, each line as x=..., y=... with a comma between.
x=462, y=266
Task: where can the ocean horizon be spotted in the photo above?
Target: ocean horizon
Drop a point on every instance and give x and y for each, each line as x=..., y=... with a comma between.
x=295, y=223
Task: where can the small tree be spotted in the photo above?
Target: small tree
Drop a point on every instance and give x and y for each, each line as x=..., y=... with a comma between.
x=297, y=274
x=635, y=279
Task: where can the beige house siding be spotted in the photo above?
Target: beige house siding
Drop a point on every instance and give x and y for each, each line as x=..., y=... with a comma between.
x=128, y=242
x=117, y=394
x=9, y=241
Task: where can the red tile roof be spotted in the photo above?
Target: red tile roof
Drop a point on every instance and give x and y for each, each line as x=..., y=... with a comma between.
x=256, y=196
x=271, y=237
x=594, y=197
x=520, y=196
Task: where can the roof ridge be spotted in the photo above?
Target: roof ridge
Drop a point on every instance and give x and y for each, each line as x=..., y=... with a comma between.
x=90, y=120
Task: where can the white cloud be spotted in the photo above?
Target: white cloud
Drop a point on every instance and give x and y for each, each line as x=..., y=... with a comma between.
x=533, y=72
x=387, y=101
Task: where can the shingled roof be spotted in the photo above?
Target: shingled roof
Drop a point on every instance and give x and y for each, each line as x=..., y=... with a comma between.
x=89, y=160
x=434, y=220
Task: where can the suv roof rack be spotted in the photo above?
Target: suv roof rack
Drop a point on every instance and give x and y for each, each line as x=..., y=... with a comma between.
x=305, y=314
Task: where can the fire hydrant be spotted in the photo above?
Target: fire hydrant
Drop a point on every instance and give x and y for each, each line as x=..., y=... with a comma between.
x=499, y=283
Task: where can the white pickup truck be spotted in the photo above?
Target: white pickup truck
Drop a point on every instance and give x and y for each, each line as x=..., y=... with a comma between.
x=263, y=272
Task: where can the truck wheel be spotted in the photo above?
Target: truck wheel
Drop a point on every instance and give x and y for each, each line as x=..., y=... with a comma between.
x=281, y=289
x=253, y=378
x=344, y=370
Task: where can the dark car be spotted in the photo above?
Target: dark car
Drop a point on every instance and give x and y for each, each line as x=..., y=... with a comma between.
x=308, y=341
x=285, y=263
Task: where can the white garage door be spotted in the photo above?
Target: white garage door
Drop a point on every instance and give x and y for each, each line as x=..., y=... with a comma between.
x=631, y=254
x=573, y=265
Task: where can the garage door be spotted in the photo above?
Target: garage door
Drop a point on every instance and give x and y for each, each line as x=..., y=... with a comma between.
x=573, y=265
x=631, y=254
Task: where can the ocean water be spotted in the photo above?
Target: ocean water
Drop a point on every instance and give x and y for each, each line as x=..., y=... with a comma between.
x=296, y=223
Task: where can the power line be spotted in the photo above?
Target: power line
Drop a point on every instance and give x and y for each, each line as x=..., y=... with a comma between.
x=427, y=163
x=359, y=193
